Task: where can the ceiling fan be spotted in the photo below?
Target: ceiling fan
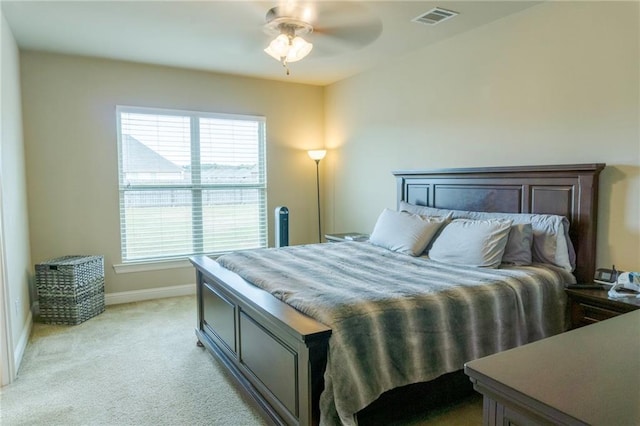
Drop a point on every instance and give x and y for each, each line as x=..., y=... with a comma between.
x=332, y=28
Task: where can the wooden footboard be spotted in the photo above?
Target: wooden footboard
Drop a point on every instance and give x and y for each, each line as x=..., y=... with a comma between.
x=277, y=354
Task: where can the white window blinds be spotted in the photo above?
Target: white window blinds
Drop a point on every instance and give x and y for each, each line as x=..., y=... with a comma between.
x=190, y=183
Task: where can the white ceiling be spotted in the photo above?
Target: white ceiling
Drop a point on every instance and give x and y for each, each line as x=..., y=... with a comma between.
x=228, y=36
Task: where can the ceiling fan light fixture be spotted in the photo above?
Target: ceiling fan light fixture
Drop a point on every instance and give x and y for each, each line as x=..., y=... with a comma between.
x=285, y=49
x=288, y=46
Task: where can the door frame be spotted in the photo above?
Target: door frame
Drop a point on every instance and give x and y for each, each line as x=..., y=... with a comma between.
x=7, y=356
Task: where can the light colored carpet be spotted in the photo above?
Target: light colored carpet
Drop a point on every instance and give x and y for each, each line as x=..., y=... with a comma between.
x=138, y=364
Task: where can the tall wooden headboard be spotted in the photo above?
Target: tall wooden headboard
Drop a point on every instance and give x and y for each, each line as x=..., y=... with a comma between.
x=567, y=190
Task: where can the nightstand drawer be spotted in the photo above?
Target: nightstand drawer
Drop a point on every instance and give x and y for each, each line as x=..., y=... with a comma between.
x=591, y=314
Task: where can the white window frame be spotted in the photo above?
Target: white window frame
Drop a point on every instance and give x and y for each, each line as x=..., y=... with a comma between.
x=196, y=187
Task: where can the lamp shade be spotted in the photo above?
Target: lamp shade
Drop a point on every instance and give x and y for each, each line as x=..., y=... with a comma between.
x=279, y=47
x=317, y=154
x=298, y=49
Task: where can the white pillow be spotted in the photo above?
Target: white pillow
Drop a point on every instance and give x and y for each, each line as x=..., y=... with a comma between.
x=472, y=242
x=404, y=232
x=551, y=241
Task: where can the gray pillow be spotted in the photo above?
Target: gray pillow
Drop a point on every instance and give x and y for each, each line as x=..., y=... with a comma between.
x=551, y=242
x=472, y=242
x=404, y=232
x=518, y=249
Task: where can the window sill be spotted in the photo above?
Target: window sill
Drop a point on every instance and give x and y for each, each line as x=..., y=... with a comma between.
x=158, y=265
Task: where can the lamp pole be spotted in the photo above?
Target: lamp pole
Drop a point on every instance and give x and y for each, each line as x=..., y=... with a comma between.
x=317, y=155
x=318, y=193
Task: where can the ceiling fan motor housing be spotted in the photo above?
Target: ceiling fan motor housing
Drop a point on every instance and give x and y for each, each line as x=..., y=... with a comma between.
x=279, y=22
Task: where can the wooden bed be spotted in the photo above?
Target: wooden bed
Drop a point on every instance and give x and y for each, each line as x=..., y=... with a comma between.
x=278, y=355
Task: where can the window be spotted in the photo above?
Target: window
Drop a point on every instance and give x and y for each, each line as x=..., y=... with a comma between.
x=190, y=183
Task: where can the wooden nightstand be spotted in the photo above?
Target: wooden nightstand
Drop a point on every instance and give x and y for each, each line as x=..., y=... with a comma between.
x=347, y=236
x=591, y=306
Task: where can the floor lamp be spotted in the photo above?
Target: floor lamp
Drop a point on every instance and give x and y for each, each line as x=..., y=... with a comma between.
x=317, y=155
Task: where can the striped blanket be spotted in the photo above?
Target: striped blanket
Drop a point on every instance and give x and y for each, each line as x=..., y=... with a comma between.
x=397, y=319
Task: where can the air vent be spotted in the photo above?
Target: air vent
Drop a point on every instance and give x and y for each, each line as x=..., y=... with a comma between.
x=435, y=16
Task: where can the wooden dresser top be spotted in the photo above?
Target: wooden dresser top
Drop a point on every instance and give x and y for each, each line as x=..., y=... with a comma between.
x=591, y=374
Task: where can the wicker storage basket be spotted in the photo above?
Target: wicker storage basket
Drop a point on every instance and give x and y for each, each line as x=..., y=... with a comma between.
x=70, y=289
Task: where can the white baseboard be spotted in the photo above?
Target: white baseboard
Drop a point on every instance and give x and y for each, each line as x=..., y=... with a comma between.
x=149, y=294
x=22, y=341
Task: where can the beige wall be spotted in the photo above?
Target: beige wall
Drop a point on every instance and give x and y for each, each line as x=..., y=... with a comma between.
x=15, y=261
x=555, y=84
x=70, y=137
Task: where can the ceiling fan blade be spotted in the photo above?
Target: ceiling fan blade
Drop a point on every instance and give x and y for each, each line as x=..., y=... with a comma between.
x=343, y=14
x=341, y=27
x=352, y=37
